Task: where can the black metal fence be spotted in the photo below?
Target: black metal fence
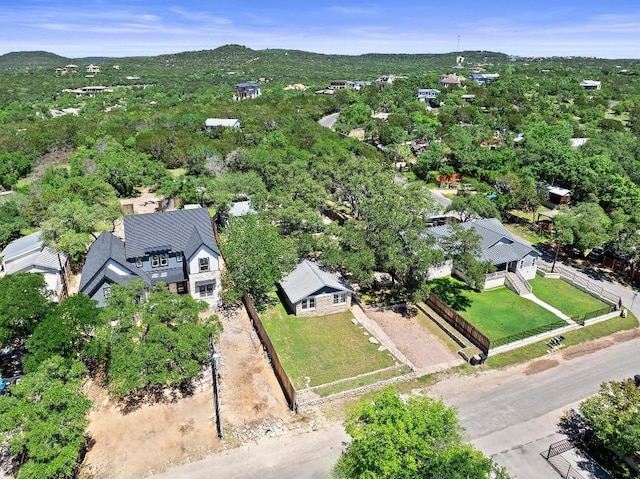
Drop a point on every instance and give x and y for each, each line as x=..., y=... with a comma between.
x=545, y=328
x=581, y=318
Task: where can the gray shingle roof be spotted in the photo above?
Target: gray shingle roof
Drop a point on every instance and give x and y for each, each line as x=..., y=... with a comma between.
x=106, y=247
x=172, y=230
x=498, y=245
x=307, y=278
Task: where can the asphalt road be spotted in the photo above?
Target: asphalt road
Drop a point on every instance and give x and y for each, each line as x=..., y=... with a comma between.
x=515, y=421
x=329, y=120
x=307, y=455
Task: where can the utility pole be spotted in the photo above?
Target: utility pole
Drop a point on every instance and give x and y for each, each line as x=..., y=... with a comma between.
x=215, y=363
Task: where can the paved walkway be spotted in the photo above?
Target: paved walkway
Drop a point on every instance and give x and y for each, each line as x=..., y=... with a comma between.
x=548, y=307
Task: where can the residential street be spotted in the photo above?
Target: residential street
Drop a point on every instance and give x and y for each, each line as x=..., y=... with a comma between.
x=515, y=420
x=329, y=120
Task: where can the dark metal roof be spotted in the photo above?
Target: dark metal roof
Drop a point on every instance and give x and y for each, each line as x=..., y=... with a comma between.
x=106, y=247
x=182, y=230
x=173, y=275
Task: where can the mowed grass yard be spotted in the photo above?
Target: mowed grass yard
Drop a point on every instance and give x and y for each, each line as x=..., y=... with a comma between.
x=563, y=296
x=500, y=312
x=319, y=350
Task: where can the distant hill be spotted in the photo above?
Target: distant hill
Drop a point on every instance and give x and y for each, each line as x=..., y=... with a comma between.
x=15, y=60
x=239, y=63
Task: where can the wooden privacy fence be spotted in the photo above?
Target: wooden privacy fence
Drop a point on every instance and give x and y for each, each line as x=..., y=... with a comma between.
x=461, y=325
x=281, y=375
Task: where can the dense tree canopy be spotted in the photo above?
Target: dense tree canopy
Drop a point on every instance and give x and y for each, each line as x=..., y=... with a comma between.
x=24, y=301
x=158, y=342
x=256, y=258
x=43, y=420
x=412, y=439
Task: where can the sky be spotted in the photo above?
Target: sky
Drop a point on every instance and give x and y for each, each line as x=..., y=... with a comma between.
x=118, y=28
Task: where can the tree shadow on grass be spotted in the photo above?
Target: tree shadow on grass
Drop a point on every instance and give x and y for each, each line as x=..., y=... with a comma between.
x=452, y=293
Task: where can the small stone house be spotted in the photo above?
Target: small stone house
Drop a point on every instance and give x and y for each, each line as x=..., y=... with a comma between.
x=310, y=291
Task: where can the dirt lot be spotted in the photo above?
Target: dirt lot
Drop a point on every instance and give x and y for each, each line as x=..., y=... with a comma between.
x=156, y=436
x=422, y=348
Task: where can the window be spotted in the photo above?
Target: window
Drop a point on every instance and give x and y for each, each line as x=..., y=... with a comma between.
x=339, y=298
x=139, y=262
x=521, y=264
x=179, y=257
x=106, y=291
x=181, y=287
x=308, y=303
x=204, y=264
x=206, y=290
x=159, y=260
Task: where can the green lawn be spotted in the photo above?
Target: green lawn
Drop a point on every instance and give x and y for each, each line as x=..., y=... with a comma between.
x=561, y=295
x=500, y=312
x=322, y=349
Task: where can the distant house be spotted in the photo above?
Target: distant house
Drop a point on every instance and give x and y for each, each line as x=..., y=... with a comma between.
x=578, y=142
x=93, y=68
x=591, y=84
x=243, y=91
x=211, y=123
x=340, y=84
x=501, y=248
x=554, y=195
x=88, y=90
x=30, y=255
x=425, y=94
x=347, y=84
x=388, y=79
x=175, y=247
x=310, y=291
x=446, y=81
x=483, y=78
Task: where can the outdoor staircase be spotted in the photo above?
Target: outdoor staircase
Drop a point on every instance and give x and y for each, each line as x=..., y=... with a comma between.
x=518, y=284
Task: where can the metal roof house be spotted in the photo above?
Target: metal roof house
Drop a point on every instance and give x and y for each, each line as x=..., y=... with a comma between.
x=310, y=291
x=500, y=247
x=175, y=247
x=30, y=255
x=242, y=91
x=554, y=195
x=211, y=123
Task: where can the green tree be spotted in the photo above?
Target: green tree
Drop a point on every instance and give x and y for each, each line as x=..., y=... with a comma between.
x=256, y=257
x=63, y=332
x=473, y=206
x=613, y=415
x=157, y=342
x=464, y=248
x=44, y=418
x=24, y=300
x=415, y=439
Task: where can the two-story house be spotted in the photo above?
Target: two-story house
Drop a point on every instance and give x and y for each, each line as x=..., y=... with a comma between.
x=175, y=247
x=242, y=91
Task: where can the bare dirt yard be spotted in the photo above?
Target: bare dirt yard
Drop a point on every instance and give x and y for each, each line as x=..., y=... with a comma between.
x=157, y=436
x=421, y=347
